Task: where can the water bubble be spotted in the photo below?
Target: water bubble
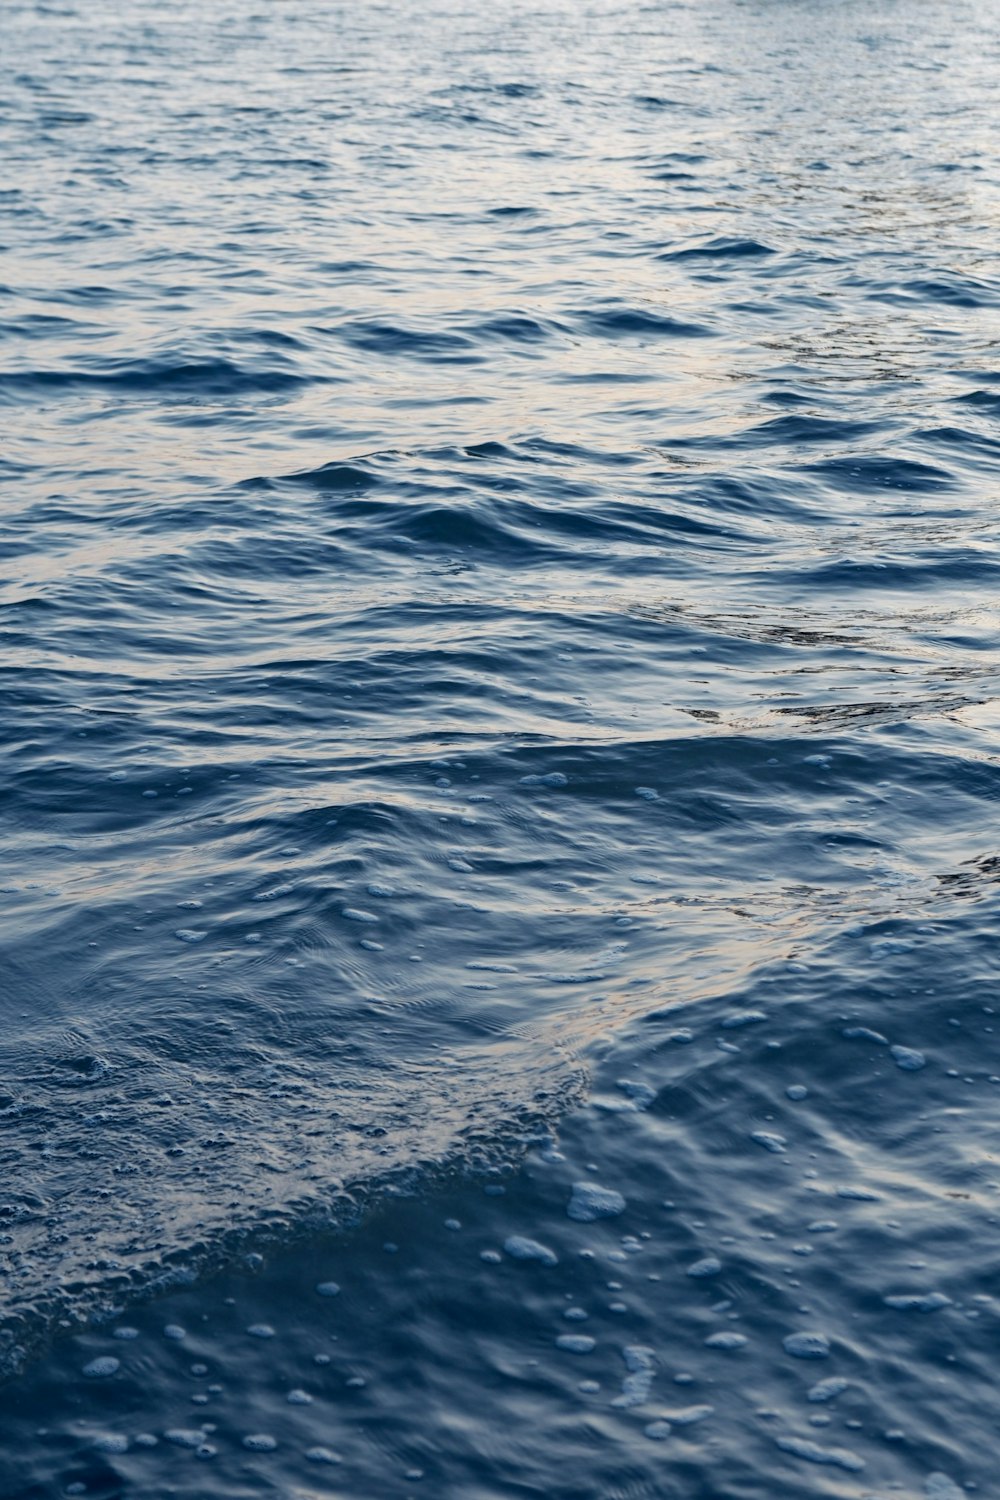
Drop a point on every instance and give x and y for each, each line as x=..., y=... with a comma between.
x=839, y=1458
x=640, y=1361
x=908, y=1058
x=925, y=1302
x=576, y=1343
x=589, y=1202
x=658, y=1431
x=520, y=1248
x=725, y=1340
x=185, y=1437
x=807, y=1345
x=827, y=1390
x=112, y=1442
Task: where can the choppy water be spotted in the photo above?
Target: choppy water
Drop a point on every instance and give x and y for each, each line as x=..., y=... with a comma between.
x=499, y=604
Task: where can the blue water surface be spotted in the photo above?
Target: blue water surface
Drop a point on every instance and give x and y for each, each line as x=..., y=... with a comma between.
x=499, y=700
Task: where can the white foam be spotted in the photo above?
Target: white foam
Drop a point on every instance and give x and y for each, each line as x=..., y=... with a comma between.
x=769, y=1140
x=184, y=1437
x=518, y=1247
x=908, y=1058
x=589, y=1202
x=726, y=1340
x=112, y=1442
x=576, y=1343
x=925, y=1302
x=640, y=1361
x=839, y=1458
x=827, y=1390
x=102, y=1367
x=807, y=1345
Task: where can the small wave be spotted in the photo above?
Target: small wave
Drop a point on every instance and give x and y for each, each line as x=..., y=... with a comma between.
x=870, y=473
x=722, y=247
x=153, y=378
x=639, y=322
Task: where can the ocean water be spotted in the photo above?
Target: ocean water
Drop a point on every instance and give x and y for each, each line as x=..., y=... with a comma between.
x=500, y=749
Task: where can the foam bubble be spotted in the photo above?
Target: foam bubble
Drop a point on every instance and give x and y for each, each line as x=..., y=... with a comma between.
x=807, y=1345
x=710, y=1266
x=112, y=1442
x=518, y=1247
x=102, y=1367
x=658, y=1431
x=769, y=1140
x=640, y=1361
x=925, y=1302
x=575, y=1343
x=726, y=1340
x=185, y=1437
x=259, y=1442
x=589, y=1202
x=839, y=1458
x=827, y=1390
x=908, y=1058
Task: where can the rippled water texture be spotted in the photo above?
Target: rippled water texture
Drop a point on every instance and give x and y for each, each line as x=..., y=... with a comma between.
x=500, y=605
